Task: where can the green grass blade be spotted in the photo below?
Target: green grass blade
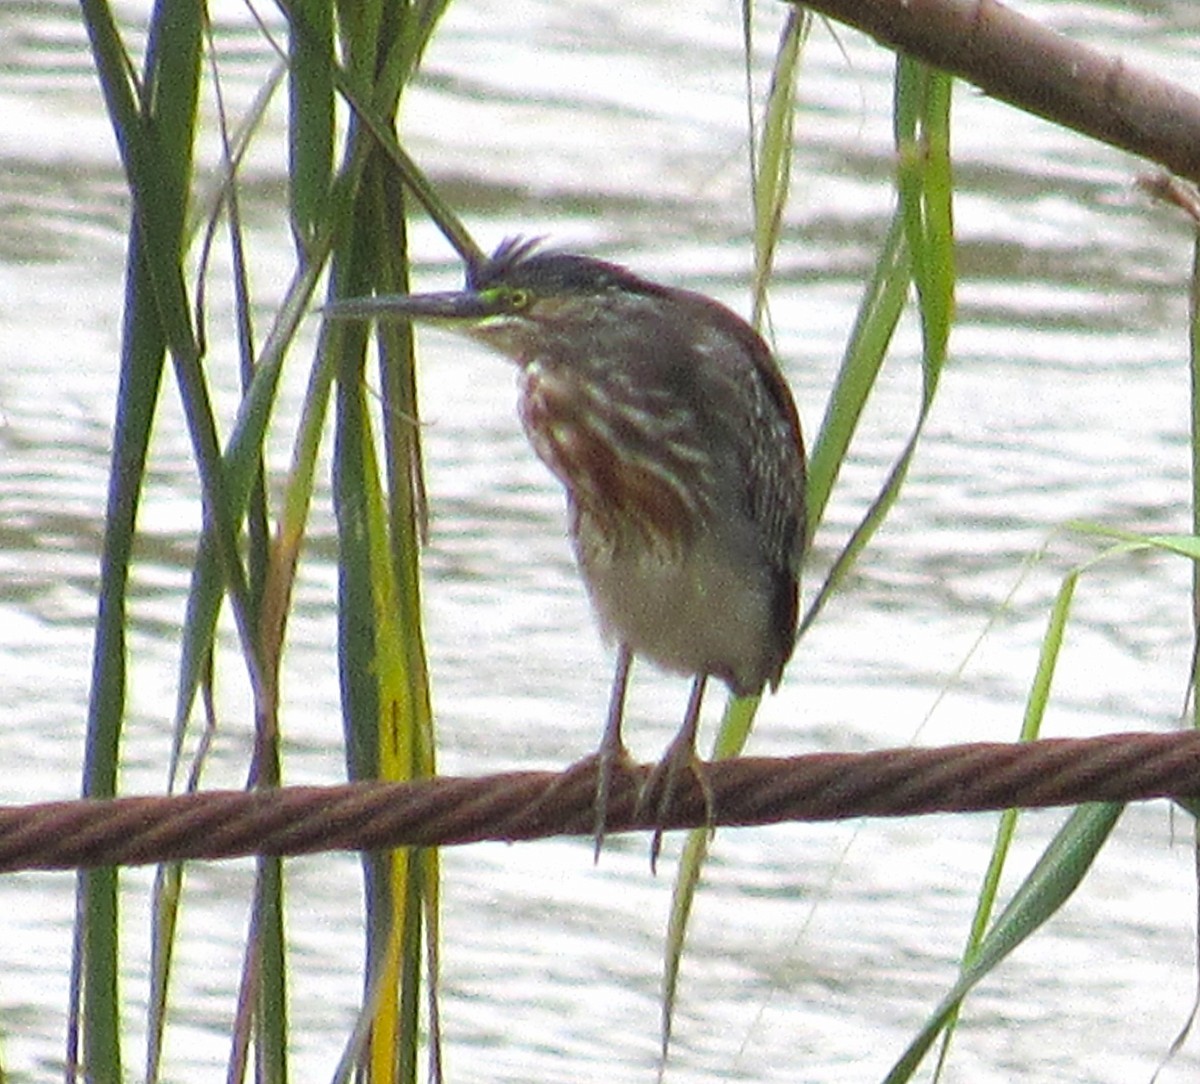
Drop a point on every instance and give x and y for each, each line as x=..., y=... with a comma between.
x=169, y=101
x=391, y=729
x=240, y=465
x=393, y=1052
x=924, y=220
x=244, y=452
x=1035, y=711
x=148, y=146
x=1194, y=373
x=385, y=693
x=919, y=250
x=1049, y=885
x=735, y=728
x=683, y=896
x=243, y=455
x=1123, y=543
x=164, y=260
x=164, y=920
x=155, y=125
x=878, y=314
x=772, y=165
x=923, y=97
x=141, y=371
x=311, y=118
x=270, y=1018
x=405, y=727
x=167, y=894
x=364, y=101
x=143, y=354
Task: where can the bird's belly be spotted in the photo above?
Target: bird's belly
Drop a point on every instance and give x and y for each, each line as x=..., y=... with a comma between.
x=689, y=612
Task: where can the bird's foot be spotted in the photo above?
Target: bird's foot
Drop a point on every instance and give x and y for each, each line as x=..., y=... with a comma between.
x=598, y=767
x=658, y=791
x=606, y=758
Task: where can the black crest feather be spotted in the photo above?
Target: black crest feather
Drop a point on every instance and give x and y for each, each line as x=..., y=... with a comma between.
x=522, y=262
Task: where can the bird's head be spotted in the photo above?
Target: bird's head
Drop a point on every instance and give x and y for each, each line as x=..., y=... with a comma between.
x=523, y=300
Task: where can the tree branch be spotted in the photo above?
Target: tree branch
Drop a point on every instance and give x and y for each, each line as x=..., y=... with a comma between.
x=1019, y=61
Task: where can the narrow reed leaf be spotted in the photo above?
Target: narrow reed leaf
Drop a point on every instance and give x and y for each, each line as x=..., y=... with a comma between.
x=393, y=1047
x=386, y=706
x=164, y=917
x=1194, y=375
x=158, y=172
x=1031, y=727
x=382, y=45
x=1185, y=1029
x=268, y=943
x=167, y=895
x=412, y=26
x=687, y=881
x=148, y=147
x=1049, y=885
x=405, y=726
x=772, y=171
x=155, y=122
x=924, y=217
x=356, y=603
x=243, y=456
x=1124, y=543
x=875, y=323
x=918, y=250
x=240, y=464
x=362, y=100
x=926, y=188
x=311, y=118
x=730, y=741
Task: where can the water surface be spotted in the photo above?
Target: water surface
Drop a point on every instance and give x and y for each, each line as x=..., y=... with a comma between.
x=816, y=950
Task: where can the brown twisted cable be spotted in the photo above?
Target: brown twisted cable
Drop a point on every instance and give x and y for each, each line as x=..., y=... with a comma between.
x=530, y=805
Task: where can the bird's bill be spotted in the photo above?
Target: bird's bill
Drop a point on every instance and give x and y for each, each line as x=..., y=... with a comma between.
x=453, y=307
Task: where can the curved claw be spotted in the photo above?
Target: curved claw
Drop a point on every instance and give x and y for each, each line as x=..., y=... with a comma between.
x=606, y=760
x=659, y=788
x=662, y=781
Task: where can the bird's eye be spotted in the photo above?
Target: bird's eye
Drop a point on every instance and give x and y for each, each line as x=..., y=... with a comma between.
x=518, y=299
